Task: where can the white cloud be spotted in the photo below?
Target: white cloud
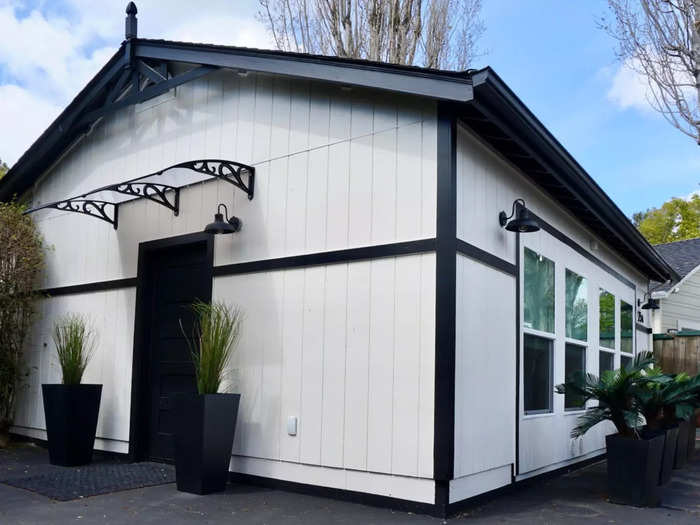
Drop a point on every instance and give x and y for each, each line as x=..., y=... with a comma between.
x=629, y=90
x=47, y=55
x=24, y=117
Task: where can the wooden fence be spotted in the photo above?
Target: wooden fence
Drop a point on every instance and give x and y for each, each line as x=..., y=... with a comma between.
x=679, y=352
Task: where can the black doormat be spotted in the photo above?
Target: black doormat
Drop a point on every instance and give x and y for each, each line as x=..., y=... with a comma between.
x=67, y=483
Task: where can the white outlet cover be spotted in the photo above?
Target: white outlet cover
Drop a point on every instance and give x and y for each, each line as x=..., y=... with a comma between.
x=292, y=425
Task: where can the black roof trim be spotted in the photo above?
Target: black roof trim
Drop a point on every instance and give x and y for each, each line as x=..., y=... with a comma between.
x=482, y=99
x=431, y=83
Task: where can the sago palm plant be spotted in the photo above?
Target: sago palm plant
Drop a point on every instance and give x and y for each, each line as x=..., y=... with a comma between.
x=75, y=343
x=615, y=392
x=216, y=333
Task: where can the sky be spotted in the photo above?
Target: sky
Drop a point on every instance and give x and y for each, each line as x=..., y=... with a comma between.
x=550, y=52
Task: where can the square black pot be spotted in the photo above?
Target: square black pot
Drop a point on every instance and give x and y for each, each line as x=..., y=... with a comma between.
x=71, y=422
x=203, y=440
x=682, y=444
x=634, y=466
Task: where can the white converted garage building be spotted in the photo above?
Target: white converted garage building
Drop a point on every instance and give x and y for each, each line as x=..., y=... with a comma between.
x=415, y=340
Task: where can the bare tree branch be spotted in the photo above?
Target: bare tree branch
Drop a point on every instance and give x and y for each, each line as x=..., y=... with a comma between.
x=660, y=41
x=439, y=34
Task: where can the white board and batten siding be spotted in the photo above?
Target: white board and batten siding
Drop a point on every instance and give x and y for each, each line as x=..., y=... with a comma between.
x=487, y=184
x=681, y=310
x=347, y=348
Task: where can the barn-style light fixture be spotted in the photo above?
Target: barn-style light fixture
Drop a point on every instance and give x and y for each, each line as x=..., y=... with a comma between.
x=221, y=226
x=651, y=304
x=522, y=223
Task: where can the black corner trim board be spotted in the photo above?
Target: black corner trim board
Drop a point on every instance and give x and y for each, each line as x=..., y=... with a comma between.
x=445, y=303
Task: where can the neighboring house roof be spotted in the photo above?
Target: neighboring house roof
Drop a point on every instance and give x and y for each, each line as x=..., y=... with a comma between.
x=480, y=98
x=682, y=256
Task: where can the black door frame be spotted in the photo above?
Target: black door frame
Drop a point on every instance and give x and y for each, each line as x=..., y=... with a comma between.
x=140, y=402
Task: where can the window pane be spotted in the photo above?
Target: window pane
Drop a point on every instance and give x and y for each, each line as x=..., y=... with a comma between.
x=575, y=367
x=539, y=292
x=606, y=362
x=576, y=306
x=625, y=361
x=626, y=327
x=607, y=319
x=537, y=374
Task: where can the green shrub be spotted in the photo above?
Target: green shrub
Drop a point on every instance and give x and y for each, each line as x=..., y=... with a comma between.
x=216, y=333
x=21, y=264
x=75, y=343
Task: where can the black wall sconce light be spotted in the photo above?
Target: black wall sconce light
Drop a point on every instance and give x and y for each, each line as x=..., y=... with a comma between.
x=221, y=226
x=651, y=304
x=522, y=223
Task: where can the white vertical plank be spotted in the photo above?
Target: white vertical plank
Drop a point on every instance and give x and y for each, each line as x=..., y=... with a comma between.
x=319, y=113
x=340, y=116
x=429, y=176
x=357, y=366
x=360, y=192
x=229, y=117
x=334, y=365
x=384, y=112
x=316, y=201
x=311, y=420
x=292, y=335
x=408, y=182
x=299, y=117
x=263, y=119
x=384, y=187
x=297, y=205
x=406, y=367
x=338, y=180
x=281, y=112
x=426, y=402
x=214, y=107
x=381, y=365
x=272, y=365
x=198, y=135
x=246, y=120
x=277, y=211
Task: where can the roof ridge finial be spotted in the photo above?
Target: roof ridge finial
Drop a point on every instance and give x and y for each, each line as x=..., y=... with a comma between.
x=131, y=24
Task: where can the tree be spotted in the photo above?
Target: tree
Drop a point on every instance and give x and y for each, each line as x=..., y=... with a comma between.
x=441, y=34
x=660, y=40
x=3, y=169
x=676, y=220
x=21, y=263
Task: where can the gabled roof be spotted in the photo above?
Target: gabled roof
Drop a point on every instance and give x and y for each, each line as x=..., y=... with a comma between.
x=682, y=256
x=480, y=98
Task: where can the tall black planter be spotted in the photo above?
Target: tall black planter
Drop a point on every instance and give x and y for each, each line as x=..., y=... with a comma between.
x=203, y=441
x=71, y=421
x=682, y=445
x=633, y=470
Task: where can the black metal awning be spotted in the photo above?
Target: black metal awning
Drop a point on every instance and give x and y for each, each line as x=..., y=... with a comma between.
x=162, y=187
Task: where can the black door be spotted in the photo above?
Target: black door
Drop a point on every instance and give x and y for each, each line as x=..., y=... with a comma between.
x=177, y=276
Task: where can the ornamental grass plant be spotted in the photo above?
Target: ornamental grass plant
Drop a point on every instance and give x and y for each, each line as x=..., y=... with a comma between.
x=75, y=343
x=216, y=333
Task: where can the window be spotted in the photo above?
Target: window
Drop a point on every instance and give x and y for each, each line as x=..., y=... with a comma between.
x=626, y=328
x=539, y=292
x=575, y=367
x=625, y=361
x=537, y=374
x=606, y=362
x=576, y=306
x=607, y=319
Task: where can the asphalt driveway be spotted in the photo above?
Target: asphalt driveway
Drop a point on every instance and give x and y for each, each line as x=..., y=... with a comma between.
x=576, y=497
